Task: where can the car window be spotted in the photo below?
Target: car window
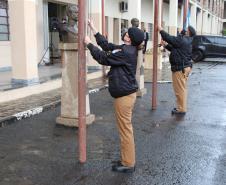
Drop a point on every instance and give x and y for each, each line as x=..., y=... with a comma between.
x=221, y=40
x=208, y=40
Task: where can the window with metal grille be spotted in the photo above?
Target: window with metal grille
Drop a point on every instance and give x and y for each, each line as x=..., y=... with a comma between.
x=4, y=22
x=150, y=31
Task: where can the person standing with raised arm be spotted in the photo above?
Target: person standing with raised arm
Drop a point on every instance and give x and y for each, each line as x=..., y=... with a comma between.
x=122, y=60
x=180, y=48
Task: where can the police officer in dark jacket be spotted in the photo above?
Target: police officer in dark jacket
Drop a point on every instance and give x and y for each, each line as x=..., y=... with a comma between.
x=122, y=86
x=181, y=64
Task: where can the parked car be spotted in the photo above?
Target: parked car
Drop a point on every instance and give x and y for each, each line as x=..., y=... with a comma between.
x=208, y=46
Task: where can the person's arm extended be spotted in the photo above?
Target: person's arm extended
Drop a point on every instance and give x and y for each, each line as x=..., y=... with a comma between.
x=107, y=58
x=101, y=40
x=168, y=47
x=104, y=44
x=172, y=40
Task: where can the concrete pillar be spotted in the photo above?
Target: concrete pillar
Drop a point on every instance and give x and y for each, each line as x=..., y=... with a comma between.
x=110, y=28
x=117, y=31
x=205, y=22
x=180, y=20
x=182, y=17
x=211, y=24
x=94, y=13
x=199, y=22
x=211, y=6
x=69, y=92
x=193, y=21
x=46, y=31
x=134, y=8
x=215, y=25
x=173, y=15
x=23, y=33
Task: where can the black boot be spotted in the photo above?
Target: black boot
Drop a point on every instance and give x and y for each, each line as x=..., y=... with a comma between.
x=118, y=167
x=176, y=112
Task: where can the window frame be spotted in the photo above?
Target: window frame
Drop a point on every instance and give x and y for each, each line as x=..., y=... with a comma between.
x=7, y=21
x=150, y=31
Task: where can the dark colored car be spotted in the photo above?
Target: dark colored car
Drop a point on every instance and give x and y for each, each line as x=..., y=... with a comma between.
x=207, y=46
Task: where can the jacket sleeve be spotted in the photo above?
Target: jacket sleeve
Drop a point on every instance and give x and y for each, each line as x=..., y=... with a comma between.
x=172, y=40
x=168, y=47
x=103, y=43
x=107, y=58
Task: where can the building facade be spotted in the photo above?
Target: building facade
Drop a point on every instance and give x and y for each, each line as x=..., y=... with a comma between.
x=224, y=18
x=26, y=38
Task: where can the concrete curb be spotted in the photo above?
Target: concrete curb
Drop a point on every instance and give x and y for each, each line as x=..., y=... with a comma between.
x=27, y=114
x=37, y=110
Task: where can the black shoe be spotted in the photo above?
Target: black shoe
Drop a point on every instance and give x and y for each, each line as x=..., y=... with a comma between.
x=175, y=111
x=122, y=169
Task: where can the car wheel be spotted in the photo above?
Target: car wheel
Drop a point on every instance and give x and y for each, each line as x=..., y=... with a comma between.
x=197, y=56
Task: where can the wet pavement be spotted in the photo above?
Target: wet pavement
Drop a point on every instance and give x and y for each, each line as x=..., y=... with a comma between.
x=170, y=150
x=164, y=75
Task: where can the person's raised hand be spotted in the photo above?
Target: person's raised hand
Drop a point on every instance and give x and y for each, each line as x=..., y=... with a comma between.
x=163, y=43
x=160, y=28
x=87, y=40
x=92, y=27
x=90, y=23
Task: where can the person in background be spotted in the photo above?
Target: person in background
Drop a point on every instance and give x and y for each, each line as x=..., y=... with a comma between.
x=122, y=60
x=146, y=38
x=180, y=48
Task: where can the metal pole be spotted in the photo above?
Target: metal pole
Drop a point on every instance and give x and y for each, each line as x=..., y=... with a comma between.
x=81, y=82
x=155, y=55
x=185, y=13
x=103, y=30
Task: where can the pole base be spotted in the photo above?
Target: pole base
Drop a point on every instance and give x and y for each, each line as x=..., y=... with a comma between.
x=73, y=122
x=141, y=92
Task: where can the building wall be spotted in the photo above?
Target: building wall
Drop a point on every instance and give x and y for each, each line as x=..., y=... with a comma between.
x=147, y=11
x=40, y=30
x=5, y=53
x=166, y=14
x=112, y=13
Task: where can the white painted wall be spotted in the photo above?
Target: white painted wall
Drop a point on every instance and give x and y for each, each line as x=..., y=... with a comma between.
x=180, y=18
x=112, y=10
x=40, y=30
x=5, y=53
x=147, y=11
x=166, y=14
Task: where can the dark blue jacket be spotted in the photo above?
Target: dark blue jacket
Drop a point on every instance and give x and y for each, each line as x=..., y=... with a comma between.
x=123, y=62
x=181, y=50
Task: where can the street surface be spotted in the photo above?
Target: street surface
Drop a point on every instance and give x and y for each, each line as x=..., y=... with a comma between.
x=170, y=150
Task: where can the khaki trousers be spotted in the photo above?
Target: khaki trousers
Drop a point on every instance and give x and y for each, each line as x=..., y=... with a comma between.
x=180, y=88
x=123, y=112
